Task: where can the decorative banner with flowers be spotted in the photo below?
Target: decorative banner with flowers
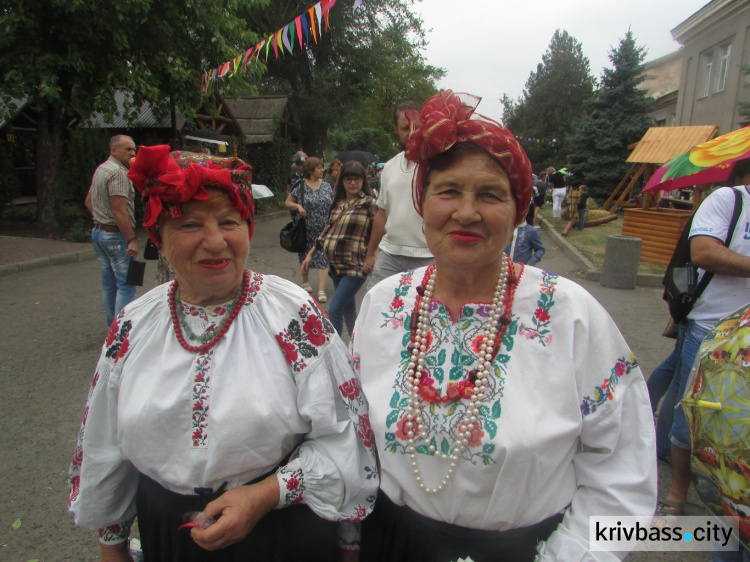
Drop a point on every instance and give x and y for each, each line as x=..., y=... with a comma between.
x=306, y=27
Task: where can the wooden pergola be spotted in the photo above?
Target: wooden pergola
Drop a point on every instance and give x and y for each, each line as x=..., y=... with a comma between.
x=659, y=228
x=658, y=145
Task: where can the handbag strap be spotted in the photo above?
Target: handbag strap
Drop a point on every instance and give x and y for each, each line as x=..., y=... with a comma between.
x=708, y=275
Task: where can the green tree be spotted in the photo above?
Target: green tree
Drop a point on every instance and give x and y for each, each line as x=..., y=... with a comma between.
x=63, y=54
x=356, y=74
x=617, y=116
x=553, y=99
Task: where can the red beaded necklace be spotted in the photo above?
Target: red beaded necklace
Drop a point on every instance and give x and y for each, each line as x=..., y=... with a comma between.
x=456, y=391
x=175, y=287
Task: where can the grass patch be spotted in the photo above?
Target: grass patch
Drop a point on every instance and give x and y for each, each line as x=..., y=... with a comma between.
x=592, y=241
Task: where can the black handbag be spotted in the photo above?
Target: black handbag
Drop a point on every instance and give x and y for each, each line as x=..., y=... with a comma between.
x=150, y=252
x=136, y=273
x=293, y=237
x=681, y=286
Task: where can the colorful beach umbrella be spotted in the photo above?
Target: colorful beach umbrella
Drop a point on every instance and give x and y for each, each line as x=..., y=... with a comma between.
x=717, y=406
x=708, y=162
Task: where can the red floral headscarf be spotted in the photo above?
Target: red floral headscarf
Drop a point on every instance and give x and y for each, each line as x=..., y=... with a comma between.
x=169, y=179
x=447, y=119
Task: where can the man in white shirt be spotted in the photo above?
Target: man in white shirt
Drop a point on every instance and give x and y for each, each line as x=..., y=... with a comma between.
x=727, y=291
x=397, y=234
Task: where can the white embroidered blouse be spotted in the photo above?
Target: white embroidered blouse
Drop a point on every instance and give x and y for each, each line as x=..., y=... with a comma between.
x=565, y=426
x=279, y=380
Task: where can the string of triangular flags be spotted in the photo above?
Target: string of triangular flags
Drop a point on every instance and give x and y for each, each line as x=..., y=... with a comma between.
x=536, y=140
x=306, y=27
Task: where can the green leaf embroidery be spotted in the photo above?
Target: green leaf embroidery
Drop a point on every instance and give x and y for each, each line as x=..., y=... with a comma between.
x=445, y=447
x=496, y=409
x=433, y=442
x=439, y=374
x=484, y=411
x=390, y=436
x=392, y=418
x=394, y=399
x=404, y=403
x=441, y=357
x=488, y=448
x=407, y=336
x=423, y=449
x=491, y=428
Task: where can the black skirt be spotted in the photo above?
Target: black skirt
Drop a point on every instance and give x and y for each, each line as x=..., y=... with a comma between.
x=394, y=533
x=289, y=534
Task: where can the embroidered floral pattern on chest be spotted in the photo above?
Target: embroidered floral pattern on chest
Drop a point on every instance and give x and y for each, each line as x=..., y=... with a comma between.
x=451, y=425
x=396, y=315
x=539, y=329
x=200, y=400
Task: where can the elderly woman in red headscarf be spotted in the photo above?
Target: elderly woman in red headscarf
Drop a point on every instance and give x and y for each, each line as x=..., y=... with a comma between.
x=224, y=399
x=506, y=407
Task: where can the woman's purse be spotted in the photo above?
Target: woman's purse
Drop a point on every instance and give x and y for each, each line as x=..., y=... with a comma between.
x=293, y=237
x=150, y=252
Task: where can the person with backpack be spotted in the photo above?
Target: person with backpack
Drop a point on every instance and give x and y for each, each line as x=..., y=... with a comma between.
x=727, y=258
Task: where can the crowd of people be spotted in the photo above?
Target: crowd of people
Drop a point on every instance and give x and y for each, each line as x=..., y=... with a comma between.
x=485, y=408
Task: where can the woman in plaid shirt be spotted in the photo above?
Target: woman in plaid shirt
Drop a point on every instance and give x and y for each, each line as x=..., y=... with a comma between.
x=345, y=240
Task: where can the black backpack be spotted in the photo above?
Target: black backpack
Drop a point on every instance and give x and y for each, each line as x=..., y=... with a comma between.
x=681, y=287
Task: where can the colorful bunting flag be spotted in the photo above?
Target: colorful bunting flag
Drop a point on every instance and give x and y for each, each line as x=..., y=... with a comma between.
x=314, y=19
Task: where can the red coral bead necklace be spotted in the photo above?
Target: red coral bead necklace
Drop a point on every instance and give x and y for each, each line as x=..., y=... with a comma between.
x=224, y=327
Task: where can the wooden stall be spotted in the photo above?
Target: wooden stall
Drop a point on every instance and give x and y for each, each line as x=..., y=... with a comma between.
x=659, y=229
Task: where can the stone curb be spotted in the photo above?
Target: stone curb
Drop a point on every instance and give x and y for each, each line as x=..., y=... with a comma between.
x=84, y=255
x=589, y=269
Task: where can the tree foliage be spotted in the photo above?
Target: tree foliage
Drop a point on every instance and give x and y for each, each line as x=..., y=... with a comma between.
x=553, y=99
x=356, y=74
x=617, y=116
x=68, y=57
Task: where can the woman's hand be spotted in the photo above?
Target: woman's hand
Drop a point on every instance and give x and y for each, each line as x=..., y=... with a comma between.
x=304, y=267
x=237, y=512
x=114, y=552
x=369, y=264
x=301, y=211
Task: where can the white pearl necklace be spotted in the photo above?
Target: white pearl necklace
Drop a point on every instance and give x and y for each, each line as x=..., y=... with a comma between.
x=417, y=364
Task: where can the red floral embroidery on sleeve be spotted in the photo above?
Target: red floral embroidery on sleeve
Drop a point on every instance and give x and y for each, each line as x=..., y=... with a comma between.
x=117, y=340
x=350, y=389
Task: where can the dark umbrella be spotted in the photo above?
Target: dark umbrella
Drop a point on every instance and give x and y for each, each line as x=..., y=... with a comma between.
x=364, y=158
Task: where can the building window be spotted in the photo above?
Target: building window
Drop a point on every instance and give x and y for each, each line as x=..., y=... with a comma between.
x=724, y=54
x=707, y=60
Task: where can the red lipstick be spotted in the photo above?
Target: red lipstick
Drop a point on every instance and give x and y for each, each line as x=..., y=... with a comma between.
x=465, y=237
x=219, y=263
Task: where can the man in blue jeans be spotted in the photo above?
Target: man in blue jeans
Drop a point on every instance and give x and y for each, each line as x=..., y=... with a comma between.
x=728, y=290
x=111, y=201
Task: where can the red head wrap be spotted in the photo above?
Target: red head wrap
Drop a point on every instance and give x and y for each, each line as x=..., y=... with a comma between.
x=446, y=119
x=169, y=179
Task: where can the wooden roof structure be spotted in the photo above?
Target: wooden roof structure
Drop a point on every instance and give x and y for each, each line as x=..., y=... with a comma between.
x=262, y=117
x=661, y=144
x=658, y=145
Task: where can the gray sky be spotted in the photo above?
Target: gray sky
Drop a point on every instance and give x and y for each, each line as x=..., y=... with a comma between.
x=489, y=47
